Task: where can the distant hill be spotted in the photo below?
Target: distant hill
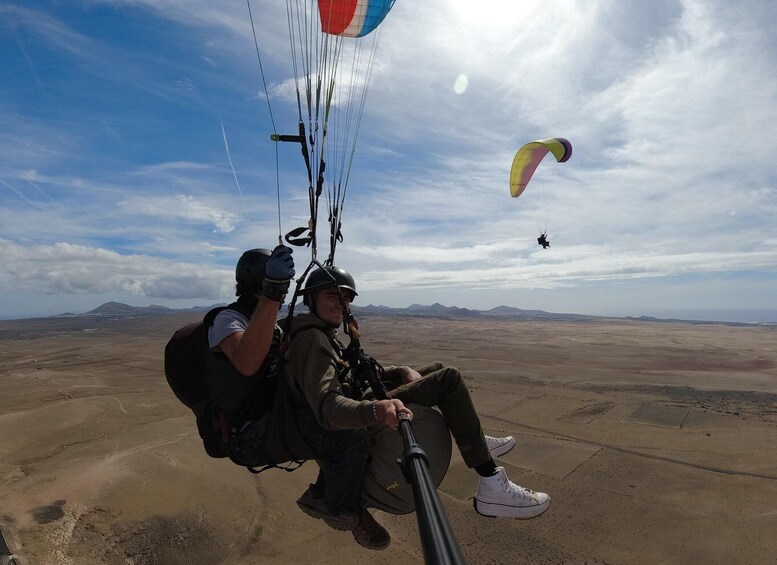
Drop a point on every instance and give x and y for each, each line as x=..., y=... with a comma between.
x=437, y=310
x=118, y=311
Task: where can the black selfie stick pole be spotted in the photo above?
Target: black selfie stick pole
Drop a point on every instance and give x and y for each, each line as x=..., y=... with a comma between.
x=437, y=539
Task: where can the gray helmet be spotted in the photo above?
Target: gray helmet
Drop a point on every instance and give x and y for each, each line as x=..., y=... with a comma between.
x=327, y=277
x=249, y=272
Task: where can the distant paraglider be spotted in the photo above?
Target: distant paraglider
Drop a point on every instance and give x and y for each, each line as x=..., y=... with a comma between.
x=526, y=161
x=529, y=156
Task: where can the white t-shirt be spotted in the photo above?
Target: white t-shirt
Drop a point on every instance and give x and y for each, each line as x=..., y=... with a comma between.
x=224, y=325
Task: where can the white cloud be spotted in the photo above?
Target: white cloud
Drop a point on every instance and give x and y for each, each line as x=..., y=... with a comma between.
x=670, y=106
x=75, y=269
x=182, y=207
x=13, y=17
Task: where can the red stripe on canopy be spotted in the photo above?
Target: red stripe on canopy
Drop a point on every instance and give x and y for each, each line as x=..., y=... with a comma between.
x=336, y=15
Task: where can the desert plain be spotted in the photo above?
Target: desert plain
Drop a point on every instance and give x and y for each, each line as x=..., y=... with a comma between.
x=657, y=443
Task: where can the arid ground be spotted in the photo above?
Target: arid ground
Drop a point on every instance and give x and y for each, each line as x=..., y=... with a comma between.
x=657, y=443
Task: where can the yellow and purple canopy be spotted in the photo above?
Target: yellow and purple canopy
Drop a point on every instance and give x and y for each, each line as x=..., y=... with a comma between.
x=529, y=156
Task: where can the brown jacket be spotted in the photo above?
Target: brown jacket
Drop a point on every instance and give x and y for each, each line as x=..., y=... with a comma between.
x=313, y=366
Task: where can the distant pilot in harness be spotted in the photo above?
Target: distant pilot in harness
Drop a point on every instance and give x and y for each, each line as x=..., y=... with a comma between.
x=543, y=240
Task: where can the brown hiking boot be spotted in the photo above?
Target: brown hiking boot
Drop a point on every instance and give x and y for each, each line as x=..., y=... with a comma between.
x=369, y=533
x=314, y=505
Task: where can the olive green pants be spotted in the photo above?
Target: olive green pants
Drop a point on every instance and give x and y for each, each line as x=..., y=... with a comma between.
x=444, y=387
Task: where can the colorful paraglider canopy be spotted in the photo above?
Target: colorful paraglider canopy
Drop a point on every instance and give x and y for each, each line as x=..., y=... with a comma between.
x=352, y=18
x=529, y=156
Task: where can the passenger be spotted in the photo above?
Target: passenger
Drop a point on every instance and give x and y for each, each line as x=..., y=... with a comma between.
x=328, y=408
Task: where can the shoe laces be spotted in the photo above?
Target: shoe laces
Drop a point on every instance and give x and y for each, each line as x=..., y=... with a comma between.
x=518, y=490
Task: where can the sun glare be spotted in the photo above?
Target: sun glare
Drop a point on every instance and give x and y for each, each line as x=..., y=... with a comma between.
x=460, y=85
x=493, y=13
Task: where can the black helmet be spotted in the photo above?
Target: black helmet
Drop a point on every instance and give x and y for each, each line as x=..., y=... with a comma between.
x=249, y=272
x=327, y=277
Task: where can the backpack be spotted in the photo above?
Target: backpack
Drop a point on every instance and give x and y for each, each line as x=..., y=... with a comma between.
x=186, y=368
x=186, y=362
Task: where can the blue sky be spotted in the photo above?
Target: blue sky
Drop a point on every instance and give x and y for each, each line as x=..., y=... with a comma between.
x=115, y=182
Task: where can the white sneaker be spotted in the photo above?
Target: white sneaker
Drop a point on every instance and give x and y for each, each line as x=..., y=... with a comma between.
x=499, y=445
x=498, y=496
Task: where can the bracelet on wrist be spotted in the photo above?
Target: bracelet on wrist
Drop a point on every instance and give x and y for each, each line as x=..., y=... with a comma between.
x=375, y=411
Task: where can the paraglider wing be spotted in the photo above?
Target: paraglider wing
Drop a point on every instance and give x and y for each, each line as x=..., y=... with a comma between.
x=352, y=18
x=529, y=156
x=333, y=46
